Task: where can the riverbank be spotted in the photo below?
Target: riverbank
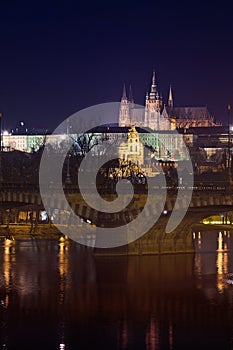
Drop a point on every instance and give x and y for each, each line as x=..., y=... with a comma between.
x=49, y=231
x=209, y=227
x=23, y=231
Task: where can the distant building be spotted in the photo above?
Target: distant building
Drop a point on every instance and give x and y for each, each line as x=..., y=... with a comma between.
x=29, y=143
x=157, y=116
x=189, y=117
x=23, y=143
x=146, y=134
x=148, y=116
x=132, y=149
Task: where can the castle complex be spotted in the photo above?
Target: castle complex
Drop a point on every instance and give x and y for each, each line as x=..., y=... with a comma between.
x=158, y=116
x=159, y=142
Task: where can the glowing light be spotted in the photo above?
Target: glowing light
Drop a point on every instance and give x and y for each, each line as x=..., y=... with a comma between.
x=220, y=242
x=199, y=240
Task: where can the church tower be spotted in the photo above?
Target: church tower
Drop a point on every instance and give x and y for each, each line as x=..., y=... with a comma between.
x=124, y=113
x=153, y=106
x=170, y=98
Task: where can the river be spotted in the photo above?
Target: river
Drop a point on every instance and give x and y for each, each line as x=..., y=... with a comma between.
x=58, y=295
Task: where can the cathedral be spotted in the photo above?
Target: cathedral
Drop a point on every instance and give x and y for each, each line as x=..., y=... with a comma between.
x=158, y=116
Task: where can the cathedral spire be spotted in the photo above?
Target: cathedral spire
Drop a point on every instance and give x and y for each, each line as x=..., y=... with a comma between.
x=124, y=96
x=170, y=99
x=124, y=114
x=130, y=94
x=153, y=77
x=153, y=89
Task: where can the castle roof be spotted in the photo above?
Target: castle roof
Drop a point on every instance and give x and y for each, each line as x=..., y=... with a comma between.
x=189, y=112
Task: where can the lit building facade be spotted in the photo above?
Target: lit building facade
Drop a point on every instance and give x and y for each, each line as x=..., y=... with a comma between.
x=156, y=115
x=132, y=149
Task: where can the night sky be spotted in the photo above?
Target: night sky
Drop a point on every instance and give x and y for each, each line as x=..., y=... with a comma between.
x=59, y=57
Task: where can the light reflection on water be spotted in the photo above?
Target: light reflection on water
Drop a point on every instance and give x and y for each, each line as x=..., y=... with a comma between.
x=58, y=295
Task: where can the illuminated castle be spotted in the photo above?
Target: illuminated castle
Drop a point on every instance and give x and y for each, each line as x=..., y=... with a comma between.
x=157, y=116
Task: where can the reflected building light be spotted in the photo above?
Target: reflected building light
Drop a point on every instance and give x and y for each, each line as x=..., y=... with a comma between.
x=170, y=336
x=152, y=335
x=125, y=336
x=63, y=267
x=220, y=242
x=6, y=301
x=225, y=263
x=122, y=334
x=62, y=345
x=199, y=240
x=63, y=258
x=7, y=265
x=221, y=263
x=9, y=257
x=198, y=263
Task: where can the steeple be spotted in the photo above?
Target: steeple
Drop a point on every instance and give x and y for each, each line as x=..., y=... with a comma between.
x=131, y=94
x=170, y=99
x=124, y=113
x=153, y=77
x=124, y=96
x=164, y=112
x=153, y=88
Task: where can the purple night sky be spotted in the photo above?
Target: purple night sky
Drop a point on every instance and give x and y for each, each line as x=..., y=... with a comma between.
x=59, y=57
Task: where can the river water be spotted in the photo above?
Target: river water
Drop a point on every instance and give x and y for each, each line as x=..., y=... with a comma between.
x=58, y=295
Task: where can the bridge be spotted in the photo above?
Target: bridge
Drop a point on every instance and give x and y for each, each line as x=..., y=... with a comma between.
x=204, y=203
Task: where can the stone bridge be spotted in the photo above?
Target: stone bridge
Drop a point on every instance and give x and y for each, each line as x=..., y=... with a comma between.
x=203, y=204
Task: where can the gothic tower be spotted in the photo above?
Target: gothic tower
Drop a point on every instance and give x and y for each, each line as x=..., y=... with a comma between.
x=124, y=113
x=170, y=98
x=153, y=106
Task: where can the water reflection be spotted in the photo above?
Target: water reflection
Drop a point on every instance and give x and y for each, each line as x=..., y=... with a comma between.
x=122, y=338
x=73, y=299
x=8, y=274
x=212, y=258
x=63, y=266
x=152, y=335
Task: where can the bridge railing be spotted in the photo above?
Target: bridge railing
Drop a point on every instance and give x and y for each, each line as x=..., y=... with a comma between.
x=70, y=188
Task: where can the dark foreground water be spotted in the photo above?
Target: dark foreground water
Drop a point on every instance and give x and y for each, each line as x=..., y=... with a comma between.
x=57, y=295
